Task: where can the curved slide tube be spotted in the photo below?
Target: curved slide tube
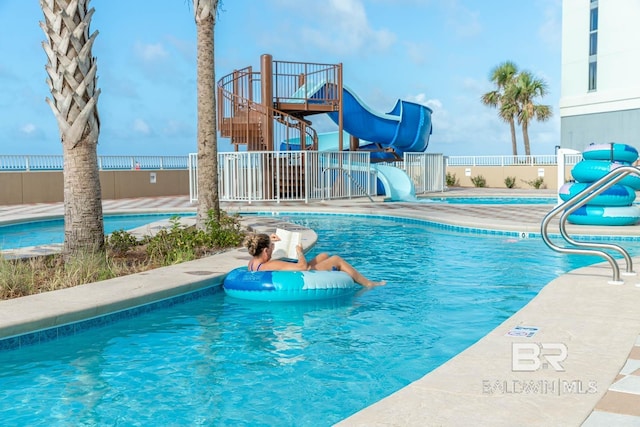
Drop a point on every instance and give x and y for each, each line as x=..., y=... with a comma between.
x=397, y=184
x=406, y=128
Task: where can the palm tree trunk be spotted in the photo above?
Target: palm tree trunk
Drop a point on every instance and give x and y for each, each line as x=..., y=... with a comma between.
x=514, y=145
x=525, y=137
x=74, y=96
x=208, y=197
x=83, y=220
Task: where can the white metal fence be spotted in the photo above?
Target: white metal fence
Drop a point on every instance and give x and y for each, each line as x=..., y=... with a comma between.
x=539, y=160
x=10, y=163
x=55, y=162
x=289, y=175
x=427, y=171
x=311, y=175
x=294, y=175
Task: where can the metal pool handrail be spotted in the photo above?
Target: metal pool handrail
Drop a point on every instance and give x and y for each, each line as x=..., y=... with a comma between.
x=573, y=204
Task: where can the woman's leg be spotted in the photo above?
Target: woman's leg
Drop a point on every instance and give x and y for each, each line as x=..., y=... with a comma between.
x=316, y=260
x=337, y=262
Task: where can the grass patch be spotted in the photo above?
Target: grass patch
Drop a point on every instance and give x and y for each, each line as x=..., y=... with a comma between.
x=125, y=254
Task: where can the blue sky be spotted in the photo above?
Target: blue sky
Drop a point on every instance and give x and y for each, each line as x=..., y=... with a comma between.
x=436, y=52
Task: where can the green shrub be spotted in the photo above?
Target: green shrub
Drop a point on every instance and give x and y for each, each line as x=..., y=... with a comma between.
x=479, y=181
x=537, y=183
x=510, y=181
x=452, y=181
x=180, y=243
x=120, y=242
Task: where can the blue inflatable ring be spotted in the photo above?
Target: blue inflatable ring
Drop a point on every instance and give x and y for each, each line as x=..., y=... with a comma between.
x=598, y=215
x=616, y=195
x=593, y=170
x=619, y=152
x=288, y=285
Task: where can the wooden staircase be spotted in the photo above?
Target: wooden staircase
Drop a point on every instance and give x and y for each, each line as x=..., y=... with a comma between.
x=267, y=110
x=244, y=128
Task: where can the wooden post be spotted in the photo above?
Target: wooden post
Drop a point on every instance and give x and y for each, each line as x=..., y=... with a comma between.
x=266, y=87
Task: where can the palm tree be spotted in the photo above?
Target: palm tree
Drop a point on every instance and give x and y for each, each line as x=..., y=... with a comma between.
x=525, y=89
x=74, y=96
x=208, y=197
x=502, y=76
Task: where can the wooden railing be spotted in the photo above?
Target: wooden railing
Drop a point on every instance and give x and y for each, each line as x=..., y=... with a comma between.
x=246, y=119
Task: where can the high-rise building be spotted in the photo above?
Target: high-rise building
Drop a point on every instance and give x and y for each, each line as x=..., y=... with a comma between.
x=600, y=96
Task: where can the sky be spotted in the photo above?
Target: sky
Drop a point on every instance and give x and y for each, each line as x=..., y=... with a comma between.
x=439, y=53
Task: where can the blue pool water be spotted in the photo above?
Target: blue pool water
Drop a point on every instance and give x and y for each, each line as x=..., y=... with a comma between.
x=46, y=232
x=492, y=200
x=221, y=361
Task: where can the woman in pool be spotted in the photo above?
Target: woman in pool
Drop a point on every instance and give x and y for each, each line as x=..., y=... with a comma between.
x=260, y=247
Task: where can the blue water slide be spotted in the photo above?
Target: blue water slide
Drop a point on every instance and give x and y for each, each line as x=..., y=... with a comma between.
x=396, y=183
x=406, y=128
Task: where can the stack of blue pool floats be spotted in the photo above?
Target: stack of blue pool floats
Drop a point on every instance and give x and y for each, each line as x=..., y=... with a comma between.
x=614, y=206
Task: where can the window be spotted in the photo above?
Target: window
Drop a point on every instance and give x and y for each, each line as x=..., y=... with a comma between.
x=593, y=43
x=593, y=70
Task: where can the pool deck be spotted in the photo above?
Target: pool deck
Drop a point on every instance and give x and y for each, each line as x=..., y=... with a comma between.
x=496, y=381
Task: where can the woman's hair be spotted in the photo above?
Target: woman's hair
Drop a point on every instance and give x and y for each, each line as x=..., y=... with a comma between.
x=255, y=243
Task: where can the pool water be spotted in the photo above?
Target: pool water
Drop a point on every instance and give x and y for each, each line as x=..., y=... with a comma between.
x=223, y=361
x=46, y=232
x=492, y=200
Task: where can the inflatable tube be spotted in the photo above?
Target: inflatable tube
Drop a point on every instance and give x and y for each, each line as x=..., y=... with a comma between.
x=598, y=215
x=593, y=170
x=613, y=152
x=616, y=195
x=288, y=285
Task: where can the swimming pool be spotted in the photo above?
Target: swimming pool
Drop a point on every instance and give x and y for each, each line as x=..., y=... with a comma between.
x=51, y=231
x=219, y=361
x=492, y=200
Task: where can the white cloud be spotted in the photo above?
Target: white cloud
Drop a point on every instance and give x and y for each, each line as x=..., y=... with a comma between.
x=153, y=52
x=550, y=31
x=28, y=129
x=462, y=21
x=417, y=52
x=141, y=127
x=342, y=27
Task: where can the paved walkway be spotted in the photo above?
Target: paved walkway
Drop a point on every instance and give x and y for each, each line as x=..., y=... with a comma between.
x=598, y=322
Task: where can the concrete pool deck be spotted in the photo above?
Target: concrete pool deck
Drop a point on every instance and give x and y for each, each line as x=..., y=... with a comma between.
x=596, y=323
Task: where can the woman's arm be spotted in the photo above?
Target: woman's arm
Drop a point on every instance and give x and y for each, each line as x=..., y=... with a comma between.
x=276, y=264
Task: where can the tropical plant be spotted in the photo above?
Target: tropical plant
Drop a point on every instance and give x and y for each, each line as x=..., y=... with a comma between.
x=479, y=181
x=74, y=96
x=537, y=183
x=510, y=181
x=525, y=89
x=502, y=76
x=208, y=197
x=452, y=181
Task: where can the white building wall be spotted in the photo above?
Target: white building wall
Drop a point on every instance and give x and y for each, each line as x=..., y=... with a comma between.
x=612, y=111
x=618, y=81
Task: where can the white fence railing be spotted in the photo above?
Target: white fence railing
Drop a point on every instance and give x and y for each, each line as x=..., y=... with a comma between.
x=55, y=162
x=541, y=160
x=311, y=175
x=18, y=163
x=289, y=175
x=427, y=171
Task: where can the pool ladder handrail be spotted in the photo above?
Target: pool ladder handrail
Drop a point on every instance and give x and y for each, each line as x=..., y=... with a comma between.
x=573, y=204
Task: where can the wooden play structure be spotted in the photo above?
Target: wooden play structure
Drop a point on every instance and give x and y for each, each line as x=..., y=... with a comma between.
x=270, y=110
x=267, y=110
